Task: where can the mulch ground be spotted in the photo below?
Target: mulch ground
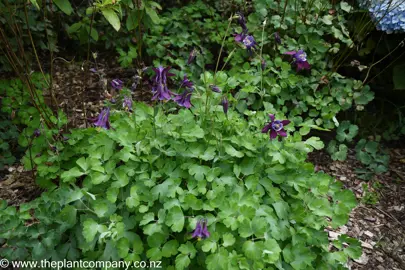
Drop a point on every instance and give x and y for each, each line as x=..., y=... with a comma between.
x=379, y=227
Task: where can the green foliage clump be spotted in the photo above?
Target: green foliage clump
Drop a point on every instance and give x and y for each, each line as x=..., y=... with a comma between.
x=373, y=156
x=136, y=191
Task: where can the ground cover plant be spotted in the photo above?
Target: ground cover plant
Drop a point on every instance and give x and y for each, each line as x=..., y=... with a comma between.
x=212, y=171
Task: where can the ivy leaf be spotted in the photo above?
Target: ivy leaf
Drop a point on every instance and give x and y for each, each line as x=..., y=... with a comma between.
x=64, y=5
x=112, y=18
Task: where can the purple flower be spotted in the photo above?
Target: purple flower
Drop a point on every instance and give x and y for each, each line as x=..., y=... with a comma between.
x=93, y=70
x=117, y=84
x=250, y=42
x=103, y=120
x=277, y=37
x=276, y=127
x=159, y=89
x=192, y=56
x=184, y=99
x=187, y=83
x=215, y=88
x=37, y=133
x=240, y=37
x=201, y=230
x=241, y=20
x=127, y=103
x=300, y=59
x=225, y=104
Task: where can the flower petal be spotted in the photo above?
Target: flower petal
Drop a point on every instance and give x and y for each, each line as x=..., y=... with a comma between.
x=273, y=134
x=266, y=128
x=285, y=122
x=271, y=117
x=282, y=133
x=291, y=52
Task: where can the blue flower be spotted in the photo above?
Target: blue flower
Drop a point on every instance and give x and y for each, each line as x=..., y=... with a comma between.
x=389, y=15
x=103, y=119
x=276, y=127
x=159, y=89
x=37, y=133
x=201, y=230
x=184, y=99
x=127, y=103
x=250, y=43
x=215, y=88
x=225, y=104
x=300, y=59
x=117, y=84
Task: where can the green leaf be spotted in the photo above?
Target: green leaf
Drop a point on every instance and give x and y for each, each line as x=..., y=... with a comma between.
x=100, y=208
x=229, y=240
x=315, y=142
x=188, y=249
x=182, y=261
x=73, y=173
x=147, y=218
x=112, y=18
x=345, y=6
x=209, y=245
x=154, y=254
x=123, y=247
x=90, y=229
x=175, y=219
x=253, y=250
x=68, y=216
x=271, y=251
x=281, y=208
x=230, y=150
x=64, y=5
x=132, y=20
x=35, y=3
x=153, y=15
x=170, y=248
